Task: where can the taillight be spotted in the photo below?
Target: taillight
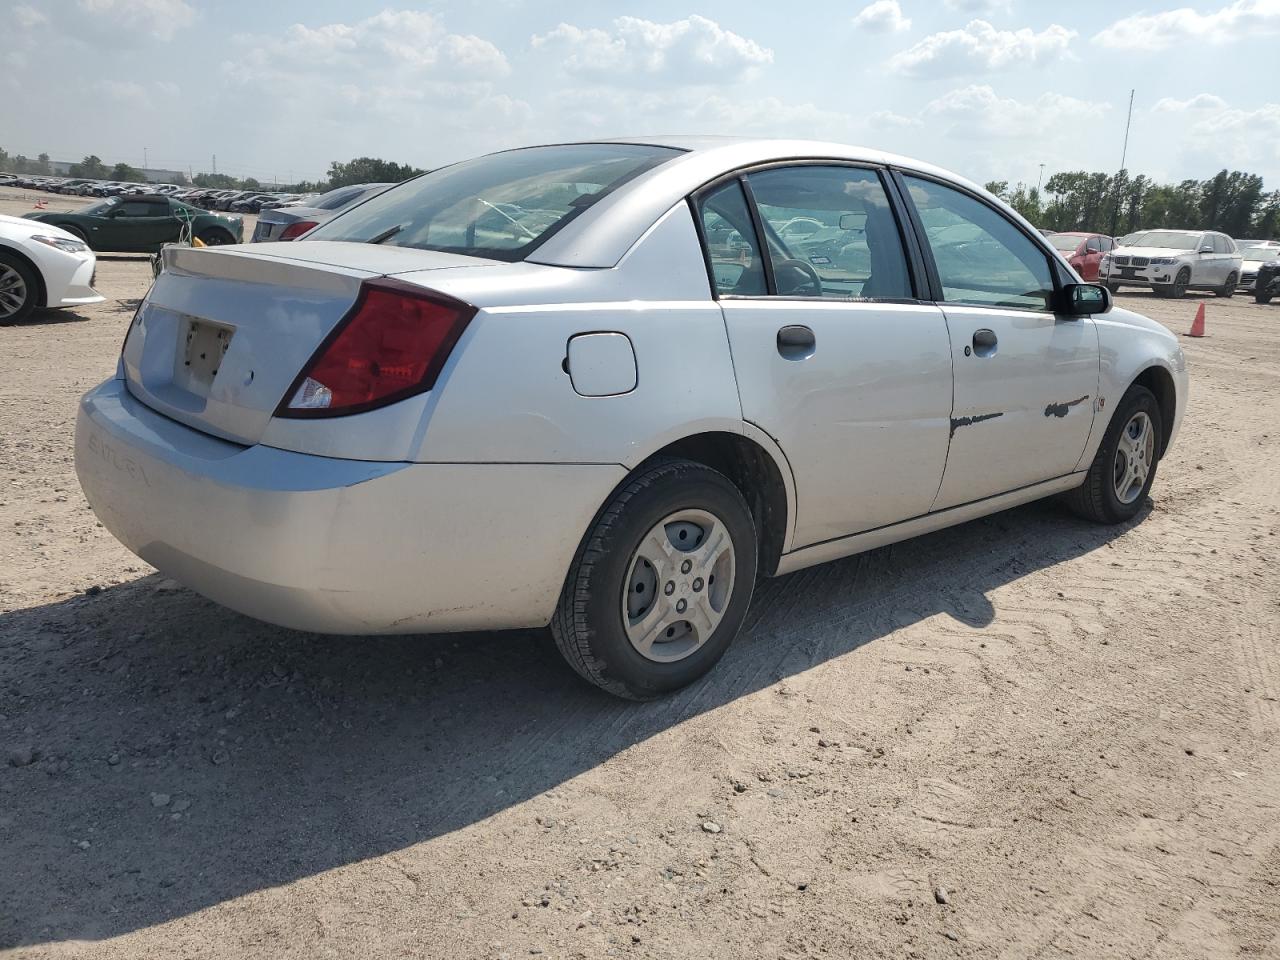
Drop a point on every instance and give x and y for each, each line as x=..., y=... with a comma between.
x=390, y=345
x=295, y=230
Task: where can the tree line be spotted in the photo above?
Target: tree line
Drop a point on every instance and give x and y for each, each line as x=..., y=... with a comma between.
x=359, y=170
x=1231, y=202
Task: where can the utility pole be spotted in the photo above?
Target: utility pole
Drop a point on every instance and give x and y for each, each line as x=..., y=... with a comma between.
x=1124, y=154
x=215, y=164
x=145, y=165
x=1041, y=180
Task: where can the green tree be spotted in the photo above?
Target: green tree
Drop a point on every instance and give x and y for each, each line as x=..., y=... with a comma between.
x=21, y=164
x=369, y=170
x=126, y=174
x=999, y=188
x=42, y=165
x=1266, y=224
x=91, y=167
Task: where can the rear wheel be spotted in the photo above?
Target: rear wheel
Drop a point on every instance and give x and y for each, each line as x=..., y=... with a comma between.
x=1228, y=289
x=19, y=289
x=1124, y=468
x=1114, y=288
x=1259, y=296
x=661, y=583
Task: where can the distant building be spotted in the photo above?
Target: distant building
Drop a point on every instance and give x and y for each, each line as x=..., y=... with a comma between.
x=62, y=168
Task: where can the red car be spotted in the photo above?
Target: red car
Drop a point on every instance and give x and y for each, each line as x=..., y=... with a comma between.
x=1083, y=251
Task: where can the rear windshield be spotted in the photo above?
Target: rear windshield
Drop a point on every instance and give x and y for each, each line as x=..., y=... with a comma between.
x=500, y=206
x=1066, y=242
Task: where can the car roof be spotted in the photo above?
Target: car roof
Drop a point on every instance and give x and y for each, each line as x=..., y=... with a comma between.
x=605, y=231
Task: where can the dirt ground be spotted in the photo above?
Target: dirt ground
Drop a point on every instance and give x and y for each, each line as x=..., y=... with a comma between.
x=1071, y=730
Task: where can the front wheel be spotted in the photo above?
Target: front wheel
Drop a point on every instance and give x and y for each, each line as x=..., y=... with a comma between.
x=1124, y=468
x=1178, y=289
x=1259, y=296
x=661, y=583
x=1228, y=289
x=216, y=238
x=19, y=289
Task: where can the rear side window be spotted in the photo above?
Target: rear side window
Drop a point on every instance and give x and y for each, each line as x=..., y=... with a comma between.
x=981, y=257
x=830, y=233
x=500, y=206
x=736, y=266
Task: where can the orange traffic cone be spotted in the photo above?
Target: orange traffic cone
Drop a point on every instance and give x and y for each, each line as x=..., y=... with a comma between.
x=1197, y=325
x=40, y=204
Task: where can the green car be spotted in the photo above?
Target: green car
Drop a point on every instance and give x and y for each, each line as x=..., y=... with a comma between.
x=142, y=224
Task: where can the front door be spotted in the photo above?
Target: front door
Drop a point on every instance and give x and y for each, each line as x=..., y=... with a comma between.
x=1026, y=380
x=142, y=225
x=835, y=356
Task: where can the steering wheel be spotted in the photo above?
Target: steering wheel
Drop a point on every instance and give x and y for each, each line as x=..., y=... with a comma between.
x=810, y=277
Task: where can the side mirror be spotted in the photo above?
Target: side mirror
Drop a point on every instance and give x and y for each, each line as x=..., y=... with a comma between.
x=1207, y=248
x=1085, y=299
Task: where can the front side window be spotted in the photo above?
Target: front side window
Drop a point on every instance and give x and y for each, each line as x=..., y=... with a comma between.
x=736, y=266
x=500, y=206
x=830, y=233
x=982, y=258
x=135, y=208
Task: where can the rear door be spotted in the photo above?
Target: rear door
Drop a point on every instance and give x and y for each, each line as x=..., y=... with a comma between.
x=1025, y=379
x=835, y=356
x=142, y=225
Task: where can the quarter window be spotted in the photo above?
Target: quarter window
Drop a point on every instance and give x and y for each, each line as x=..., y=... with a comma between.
x=830, y=233
x=732, y=250
x=981, y=257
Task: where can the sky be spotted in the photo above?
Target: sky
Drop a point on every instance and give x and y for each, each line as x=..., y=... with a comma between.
x=991, y=89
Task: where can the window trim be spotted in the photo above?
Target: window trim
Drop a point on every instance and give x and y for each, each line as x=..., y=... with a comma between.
x=1056, y=273
x=915, y=264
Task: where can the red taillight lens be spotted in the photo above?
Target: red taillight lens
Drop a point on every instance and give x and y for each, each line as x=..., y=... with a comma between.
x=295, y=230
x=391, y=345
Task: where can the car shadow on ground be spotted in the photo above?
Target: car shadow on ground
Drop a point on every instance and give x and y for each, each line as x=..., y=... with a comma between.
x=185, y=755
x=48, y=316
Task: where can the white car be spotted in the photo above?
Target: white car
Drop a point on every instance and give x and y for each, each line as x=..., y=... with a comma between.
x=594, y=386
x=42, y=266
x=1171, y=262
x=1255, y=253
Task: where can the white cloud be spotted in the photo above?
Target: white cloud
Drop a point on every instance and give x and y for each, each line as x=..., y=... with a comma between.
x=887, y=119
x=693, y=50
x=883, y=16
x=978, y=112
x=28, y=17
x=161, y=18
x=134, y=94
x=980, y=46
x=1157, y=31
x=979, y=8
x=1201, y=101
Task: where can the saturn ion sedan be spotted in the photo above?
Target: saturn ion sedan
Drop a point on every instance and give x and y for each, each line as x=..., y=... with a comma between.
x=605, y=387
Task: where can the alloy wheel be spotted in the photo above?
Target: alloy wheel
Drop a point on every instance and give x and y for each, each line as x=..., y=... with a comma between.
x=13, y=291
x=1135, y=455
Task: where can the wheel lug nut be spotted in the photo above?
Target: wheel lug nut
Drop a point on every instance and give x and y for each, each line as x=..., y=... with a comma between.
x=681, y=605
x=697, y=584
x=686, y=566
x=670, y=588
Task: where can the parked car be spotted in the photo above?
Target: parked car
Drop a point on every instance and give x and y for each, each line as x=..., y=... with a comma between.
x=1084, y=251
x=141, y=224
x=434, y=415
x=289, y=223
x=1255, y=253
x=1266, y=286
x=42, y=266
x=1171, y=262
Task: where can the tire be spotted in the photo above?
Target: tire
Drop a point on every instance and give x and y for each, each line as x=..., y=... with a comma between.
x=75, y=232
x=1259, y=297
x=19, y=289
x=1097, y=498
x=214, y=237
x=1114, y=288
x=1178, y=289
x=1228, y=289
x=607, y=591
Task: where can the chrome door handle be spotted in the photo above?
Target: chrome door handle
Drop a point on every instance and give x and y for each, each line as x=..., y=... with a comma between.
x=796, y=342
x=984, y=342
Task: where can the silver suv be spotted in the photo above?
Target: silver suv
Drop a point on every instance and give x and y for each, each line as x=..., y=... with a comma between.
x=1171, y=262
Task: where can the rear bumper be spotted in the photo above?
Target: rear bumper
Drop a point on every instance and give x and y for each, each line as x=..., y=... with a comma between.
x=335, y=546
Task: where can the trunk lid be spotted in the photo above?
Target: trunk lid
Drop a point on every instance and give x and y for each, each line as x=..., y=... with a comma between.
x=223, y=333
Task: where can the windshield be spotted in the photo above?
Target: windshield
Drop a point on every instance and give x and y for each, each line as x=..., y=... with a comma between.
x=1258, y=252
x=99, y=208
x=1165, y=239
x=1066, y=242
x=499, y=206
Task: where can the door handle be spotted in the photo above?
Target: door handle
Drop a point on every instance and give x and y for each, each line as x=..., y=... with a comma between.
x=796, y=342
x=984, y=342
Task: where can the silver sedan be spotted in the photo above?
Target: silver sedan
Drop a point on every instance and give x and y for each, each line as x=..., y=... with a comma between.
x=605, y=387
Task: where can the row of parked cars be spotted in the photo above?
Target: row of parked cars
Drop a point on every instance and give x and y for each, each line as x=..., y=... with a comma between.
x=236, y=201
x=1171, y=262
